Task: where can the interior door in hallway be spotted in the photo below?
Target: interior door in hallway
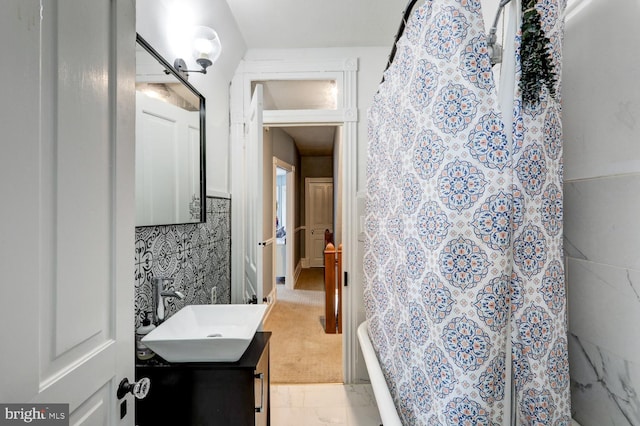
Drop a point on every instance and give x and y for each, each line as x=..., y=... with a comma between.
x=319, y=213
x=254, y=202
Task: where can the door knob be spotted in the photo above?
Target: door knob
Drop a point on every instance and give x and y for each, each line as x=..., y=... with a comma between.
x=139, y=389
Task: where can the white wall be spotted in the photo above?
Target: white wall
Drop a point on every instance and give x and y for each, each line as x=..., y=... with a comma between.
x=276, y=143
x=284, y=149
x=163, y=24
x=601, y=119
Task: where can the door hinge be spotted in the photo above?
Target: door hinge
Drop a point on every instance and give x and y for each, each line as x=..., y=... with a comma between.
x=345, y=279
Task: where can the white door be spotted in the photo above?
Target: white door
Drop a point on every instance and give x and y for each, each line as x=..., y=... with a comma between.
x=319, y=208
x=167, y=171
x=253, y=256
x=67, y=190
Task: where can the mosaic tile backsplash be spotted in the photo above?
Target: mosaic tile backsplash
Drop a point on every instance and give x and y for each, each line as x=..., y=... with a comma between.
x=197, y=256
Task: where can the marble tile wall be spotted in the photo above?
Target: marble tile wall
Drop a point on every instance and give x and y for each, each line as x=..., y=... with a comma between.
x=601, y=116
x=196, y=256
x=602, y=246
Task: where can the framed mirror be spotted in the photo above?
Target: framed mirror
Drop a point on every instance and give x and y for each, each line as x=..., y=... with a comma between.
x=170, y=143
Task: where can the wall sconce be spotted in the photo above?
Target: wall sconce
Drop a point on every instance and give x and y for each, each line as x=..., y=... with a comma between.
x=206, y=50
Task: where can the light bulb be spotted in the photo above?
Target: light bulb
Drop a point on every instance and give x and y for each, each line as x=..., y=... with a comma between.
x=206, y=44
x=202, y=47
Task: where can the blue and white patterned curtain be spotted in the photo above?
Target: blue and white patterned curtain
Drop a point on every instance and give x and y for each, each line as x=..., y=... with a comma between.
x=464, y=230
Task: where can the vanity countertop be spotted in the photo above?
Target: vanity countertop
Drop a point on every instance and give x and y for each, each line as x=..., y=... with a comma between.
x=249, y=359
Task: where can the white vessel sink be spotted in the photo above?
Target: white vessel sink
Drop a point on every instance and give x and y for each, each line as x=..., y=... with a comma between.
x=206, y=333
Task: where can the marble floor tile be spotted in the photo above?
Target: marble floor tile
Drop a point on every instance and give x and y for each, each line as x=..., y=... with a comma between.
x=323, y=404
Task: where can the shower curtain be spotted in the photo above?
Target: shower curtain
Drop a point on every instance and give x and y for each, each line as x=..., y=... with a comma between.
x=463, y=251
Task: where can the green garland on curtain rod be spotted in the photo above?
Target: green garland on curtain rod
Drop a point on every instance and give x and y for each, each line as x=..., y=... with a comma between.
x=535, y=58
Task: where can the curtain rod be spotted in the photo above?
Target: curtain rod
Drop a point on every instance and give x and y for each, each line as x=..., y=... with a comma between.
x=407, y=13
x=405, y=16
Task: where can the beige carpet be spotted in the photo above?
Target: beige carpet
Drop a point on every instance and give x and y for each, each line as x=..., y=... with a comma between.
x=301, y=352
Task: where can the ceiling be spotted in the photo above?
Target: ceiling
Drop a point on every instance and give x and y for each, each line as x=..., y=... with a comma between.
x=312, y=140
x=283, y=24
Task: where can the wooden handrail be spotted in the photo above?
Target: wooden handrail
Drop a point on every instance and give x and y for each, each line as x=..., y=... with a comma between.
x=333, y=288
x=339, y=311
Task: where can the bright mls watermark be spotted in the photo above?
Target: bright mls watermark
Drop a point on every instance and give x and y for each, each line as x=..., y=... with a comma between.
x=34, y=414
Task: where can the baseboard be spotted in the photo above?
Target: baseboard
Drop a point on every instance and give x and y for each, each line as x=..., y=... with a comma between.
x=305, y=262
x=271, y=300
x=296, y=272
x=217, y=194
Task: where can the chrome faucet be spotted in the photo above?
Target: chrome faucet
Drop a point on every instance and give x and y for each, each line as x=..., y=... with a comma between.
x=157, y=295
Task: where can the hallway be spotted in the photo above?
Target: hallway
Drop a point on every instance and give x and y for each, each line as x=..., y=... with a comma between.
x=301, y=352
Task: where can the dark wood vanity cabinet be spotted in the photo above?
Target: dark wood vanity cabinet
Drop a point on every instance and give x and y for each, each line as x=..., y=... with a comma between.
x=217, y=393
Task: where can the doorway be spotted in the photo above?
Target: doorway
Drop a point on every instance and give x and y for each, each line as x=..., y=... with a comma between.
x=280, y=253
x=343, y=115
x=302, y=352
x=284, y=202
